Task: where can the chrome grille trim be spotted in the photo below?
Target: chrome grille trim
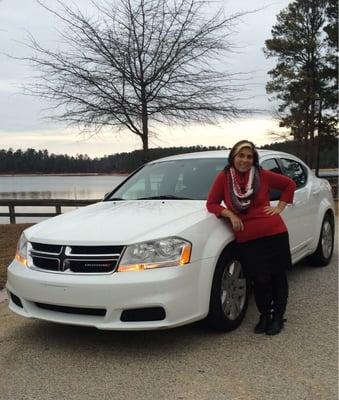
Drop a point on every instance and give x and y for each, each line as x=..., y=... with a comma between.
x=42, y=254
x=65, y=257
x=67, y=253
x=90, y=259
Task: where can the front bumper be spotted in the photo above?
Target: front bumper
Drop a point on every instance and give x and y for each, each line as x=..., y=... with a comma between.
x=183, y=292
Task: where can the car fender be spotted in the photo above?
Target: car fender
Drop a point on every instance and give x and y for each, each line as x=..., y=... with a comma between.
x=326, y=206
x=217, y=236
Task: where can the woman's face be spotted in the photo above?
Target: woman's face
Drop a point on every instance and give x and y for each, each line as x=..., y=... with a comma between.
x=243, y=161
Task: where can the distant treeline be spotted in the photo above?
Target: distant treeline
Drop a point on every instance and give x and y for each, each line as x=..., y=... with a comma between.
x=328, y=156
x=41, y=162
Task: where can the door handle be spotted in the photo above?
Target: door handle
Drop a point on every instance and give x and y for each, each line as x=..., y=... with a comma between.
x=295, y=203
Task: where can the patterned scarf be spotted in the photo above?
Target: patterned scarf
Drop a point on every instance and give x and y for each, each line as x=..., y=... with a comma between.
x=243, y=190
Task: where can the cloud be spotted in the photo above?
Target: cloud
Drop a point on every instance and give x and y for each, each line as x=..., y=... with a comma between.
x=21, y=121
x=72, y=142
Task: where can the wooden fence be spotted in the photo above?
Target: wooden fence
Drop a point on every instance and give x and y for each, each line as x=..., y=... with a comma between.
x=57, y=203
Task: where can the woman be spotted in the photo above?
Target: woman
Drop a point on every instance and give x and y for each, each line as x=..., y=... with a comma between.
x=260, y=232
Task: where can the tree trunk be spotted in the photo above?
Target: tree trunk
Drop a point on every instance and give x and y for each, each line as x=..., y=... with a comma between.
x=317, y=166
x=299, y=143
x=306, y=133
x=144, y=143
x=144, y=119
x=311, y=139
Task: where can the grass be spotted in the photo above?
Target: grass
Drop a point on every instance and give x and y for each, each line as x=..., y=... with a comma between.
x=9, y=236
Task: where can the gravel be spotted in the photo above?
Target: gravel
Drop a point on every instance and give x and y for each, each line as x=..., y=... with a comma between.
x=41, y=360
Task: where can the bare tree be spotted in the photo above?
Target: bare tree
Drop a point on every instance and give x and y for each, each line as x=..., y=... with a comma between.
x=136, y=63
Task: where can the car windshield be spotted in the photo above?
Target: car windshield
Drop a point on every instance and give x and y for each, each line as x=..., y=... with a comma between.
x=177, y=179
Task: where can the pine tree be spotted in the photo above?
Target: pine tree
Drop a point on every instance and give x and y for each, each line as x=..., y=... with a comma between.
x=302, y=81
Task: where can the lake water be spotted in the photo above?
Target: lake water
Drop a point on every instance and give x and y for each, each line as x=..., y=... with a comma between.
x=53, y=187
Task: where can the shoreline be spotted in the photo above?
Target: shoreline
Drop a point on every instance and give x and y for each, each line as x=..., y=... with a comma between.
x=68, y=174
x=334, y=171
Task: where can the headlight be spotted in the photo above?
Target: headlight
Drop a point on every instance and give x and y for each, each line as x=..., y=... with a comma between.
x=21, y=250
x=167, y=252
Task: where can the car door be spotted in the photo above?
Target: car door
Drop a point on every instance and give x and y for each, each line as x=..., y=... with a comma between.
x=296, y=215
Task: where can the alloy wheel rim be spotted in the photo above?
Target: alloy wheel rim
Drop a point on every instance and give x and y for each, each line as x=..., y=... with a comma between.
x=327, y=239
x=233, y=290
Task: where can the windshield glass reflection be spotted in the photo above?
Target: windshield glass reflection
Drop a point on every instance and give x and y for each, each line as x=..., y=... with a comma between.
x=180, y=179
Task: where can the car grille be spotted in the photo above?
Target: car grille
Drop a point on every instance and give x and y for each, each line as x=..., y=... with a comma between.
x=75, y=259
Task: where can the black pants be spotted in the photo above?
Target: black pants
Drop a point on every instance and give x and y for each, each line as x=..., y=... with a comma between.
x=271, y=292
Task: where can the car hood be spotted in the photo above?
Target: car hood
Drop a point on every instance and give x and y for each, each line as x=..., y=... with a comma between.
x=120, y=222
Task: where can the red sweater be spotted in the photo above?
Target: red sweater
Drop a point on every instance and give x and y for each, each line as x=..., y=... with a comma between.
x=256, y=222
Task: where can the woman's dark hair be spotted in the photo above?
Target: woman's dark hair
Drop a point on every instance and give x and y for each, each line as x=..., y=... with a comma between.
x=235, y=150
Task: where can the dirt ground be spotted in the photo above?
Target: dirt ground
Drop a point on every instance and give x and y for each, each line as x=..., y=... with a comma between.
x=9, y=236
x=44, y=361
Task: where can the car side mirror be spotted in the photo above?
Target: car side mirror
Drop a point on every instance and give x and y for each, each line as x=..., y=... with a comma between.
x=274, y=194
x=106, y=195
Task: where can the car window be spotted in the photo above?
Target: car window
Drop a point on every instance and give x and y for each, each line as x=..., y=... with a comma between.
x=295, y=171
x=271, y=165
x=189, y=179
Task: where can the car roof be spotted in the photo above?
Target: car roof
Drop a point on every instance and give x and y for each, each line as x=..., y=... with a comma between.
x=216, y=154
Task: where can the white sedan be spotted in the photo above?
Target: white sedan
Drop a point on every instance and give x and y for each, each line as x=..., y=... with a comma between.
x=150, y=256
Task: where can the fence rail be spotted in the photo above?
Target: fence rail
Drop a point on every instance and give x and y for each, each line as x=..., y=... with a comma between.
x=57, y=203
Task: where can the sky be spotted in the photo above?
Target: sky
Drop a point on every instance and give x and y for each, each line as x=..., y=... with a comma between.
x=22, y=117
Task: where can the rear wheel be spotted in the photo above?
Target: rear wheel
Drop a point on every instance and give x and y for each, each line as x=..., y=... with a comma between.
x=323, y=254
x=229, y=294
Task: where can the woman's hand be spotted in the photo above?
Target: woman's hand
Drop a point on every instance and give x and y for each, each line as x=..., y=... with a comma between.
x=275, y=210
x=236, y=222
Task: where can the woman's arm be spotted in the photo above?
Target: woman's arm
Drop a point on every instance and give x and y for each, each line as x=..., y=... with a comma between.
x=287, y=187
x=215, y=197
x=276, y=210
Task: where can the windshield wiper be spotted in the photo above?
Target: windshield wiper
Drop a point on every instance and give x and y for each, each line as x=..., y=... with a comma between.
x=114, y=199
x=165, y=197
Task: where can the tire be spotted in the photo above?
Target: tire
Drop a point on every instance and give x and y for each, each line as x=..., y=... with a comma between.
x=229, y=293
x=323, y=254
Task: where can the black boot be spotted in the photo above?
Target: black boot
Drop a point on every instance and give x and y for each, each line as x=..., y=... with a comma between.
x=276, y=324
x=262, y=325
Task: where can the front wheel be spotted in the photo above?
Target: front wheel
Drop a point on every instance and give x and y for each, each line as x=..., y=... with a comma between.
x=229, y=294
x=322, y=256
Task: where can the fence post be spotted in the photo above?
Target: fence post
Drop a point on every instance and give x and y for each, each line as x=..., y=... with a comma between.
x=58, y=209
x=11, y=213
